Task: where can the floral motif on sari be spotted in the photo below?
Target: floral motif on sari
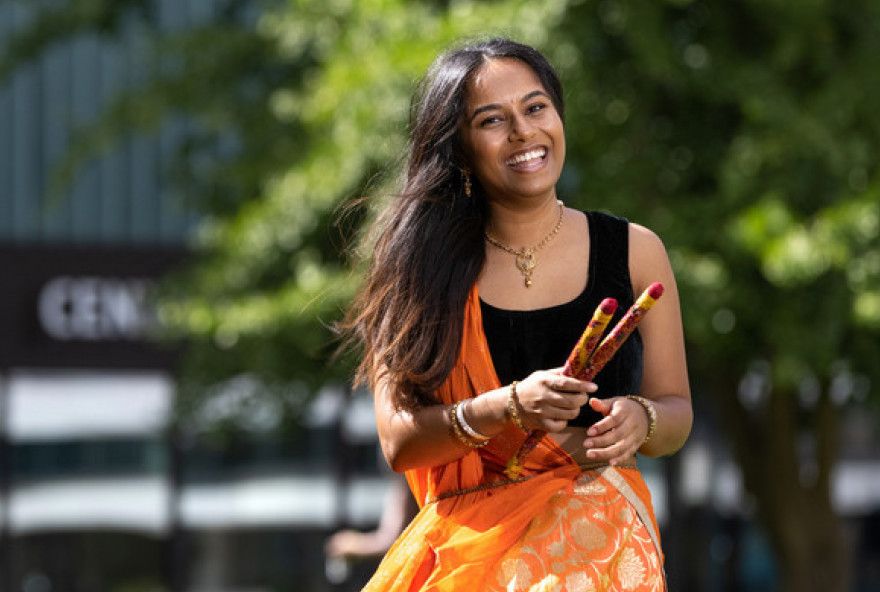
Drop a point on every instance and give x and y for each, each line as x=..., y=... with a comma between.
x=589, y=539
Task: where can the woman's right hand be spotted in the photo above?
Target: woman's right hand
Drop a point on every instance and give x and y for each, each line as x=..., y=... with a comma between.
x=548, y=399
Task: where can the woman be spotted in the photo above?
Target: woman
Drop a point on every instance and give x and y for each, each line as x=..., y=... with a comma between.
x=481, y=278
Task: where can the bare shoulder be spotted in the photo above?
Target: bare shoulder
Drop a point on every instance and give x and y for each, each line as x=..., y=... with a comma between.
x=647, y=256
x=644, y=241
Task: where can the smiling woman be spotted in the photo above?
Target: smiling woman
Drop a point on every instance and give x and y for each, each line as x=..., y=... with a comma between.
x=481, y=277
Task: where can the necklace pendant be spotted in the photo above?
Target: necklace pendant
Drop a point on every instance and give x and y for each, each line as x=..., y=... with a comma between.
x=525, y=262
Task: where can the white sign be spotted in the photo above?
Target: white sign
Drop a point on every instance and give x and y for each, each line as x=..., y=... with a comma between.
x=95, y=308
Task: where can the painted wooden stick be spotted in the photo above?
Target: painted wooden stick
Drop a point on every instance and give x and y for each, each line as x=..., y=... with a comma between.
x=582, y=352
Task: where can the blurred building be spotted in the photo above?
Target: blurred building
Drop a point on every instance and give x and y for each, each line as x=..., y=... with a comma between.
x=83, y=398
x=95, y=494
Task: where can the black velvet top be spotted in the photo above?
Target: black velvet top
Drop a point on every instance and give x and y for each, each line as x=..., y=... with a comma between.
x=523, y=341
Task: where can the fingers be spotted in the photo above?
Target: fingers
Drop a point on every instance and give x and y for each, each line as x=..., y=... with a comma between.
x=619, y=434
x=617, y=412
x=551, y=414
x=614, y=454
x=343, y=543
x=549, y=399
x=552, y=425
x=613, y=446
x=566, y=384
x=602, y=406
x=572, y=401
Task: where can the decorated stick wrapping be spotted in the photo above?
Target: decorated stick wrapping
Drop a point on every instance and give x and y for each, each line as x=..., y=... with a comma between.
x=622, y=330
x=595, y=362
x=580, y=355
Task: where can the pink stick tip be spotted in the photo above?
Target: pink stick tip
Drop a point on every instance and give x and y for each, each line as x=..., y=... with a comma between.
x=609, y=305
x=655, y=290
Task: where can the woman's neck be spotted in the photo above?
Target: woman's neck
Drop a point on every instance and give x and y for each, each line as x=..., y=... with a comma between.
x=522, y=225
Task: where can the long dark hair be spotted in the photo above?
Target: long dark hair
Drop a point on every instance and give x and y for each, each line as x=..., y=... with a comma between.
x=429, y=248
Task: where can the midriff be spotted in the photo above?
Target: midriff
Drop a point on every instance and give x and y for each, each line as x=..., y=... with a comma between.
x=572, y=441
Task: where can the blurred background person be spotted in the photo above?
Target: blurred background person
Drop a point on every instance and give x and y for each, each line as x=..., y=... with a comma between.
x=349, y=545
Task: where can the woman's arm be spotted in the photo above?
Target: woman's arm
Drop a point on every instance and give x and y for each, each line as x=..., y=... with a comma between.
x=423, y=436
x=665, y=377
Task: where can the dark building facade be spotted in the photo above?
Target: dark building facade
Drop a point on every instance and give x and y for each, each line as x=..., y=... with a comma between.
x=95, y=493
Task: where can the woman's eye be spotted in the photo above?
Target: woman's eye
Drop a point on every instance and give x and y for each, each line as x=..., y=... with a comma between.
x=490, y=120
x=535, y=108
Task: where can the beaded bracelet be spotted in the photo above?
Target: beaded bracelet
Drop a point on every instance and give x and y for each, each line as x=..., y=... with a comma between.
x=513, y=407
x=462, y=421
x=457, y=430
x=649, y=408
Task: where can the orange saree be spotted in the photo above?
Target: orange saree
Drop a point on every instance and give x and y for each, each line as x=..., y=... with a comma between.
x=557, y=527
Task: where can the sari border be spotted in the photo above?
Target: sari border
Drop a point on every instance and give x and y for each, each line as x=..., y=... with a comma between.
x=613, y=476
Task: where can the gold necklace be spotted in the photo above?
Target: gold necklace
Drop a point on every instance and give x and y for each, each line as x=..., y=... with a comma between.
x=525, y=256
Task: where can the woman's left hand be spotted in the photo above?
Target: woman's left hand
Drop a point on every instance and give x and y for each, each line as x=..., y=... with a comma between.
x=616, y=437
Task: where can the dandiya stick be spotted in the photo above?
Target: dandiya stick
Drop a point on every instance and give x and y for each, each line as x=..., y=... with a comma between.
x=596, y=362
x=622, y=330
x=580, y=355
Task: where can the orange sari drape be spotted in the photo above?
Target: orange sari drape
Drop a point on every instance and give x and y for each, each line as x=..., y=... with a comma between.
x=463, y=541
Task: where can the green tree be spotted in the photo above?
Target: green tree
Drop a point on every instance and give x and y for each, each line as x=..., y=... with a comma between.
x=743, y=133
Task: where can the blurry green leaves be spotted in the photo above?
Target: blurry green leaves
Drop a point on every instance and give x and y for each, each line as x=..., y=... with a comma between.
x=225, y=320
x=272, y=276
x=701, y=271
x=745, y=134
x=795, y=253
x=742, y=134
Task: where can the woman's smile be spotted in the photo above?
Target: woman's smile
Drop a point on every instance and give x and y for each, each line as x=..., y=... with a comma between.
x=528, y=160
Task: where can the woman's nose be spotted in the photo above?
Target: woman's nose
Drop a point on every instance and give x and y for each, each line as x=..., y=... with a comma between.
x=520, y=129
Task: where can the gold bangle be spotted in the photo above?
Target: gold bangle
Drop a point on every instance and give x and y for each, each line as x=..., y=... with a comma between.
x=649, y=408
x=459, y=433
x=513, y=407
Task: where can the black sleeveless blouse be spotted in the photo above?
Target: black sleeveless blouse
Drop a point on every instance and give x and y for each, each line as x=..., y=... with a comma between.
x=523, y=341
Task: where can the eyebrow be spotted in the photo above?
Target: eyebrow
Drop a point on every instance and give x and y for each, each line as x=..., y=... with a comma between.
x=492, y=106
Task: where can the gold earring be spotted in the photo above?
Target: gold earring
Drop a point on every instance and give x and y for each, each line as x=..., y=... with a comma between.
x=467, y=182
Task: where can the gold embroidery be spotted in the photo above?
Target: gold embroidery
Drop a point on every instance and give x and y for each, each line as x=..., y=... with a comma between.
x=550, y=583
x=588, y=487
x=516, y=574
x=630, y=569
x=596, y=542
x=617, y=480
x=587, y=535
x=556, y=549
x=579, y=582
x=574, y=504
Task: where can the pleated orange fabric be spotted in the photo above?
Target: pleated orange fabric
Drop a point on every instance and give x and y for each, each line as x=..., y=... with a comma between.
x=478, y=531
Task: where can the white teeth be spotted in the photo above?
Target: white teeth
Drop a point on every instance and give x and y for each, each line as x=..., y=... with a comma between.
x=530, y=155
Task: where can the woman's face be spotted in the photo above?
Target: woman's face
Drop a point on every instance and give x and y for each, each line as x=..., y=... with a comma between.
x=512, y=134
